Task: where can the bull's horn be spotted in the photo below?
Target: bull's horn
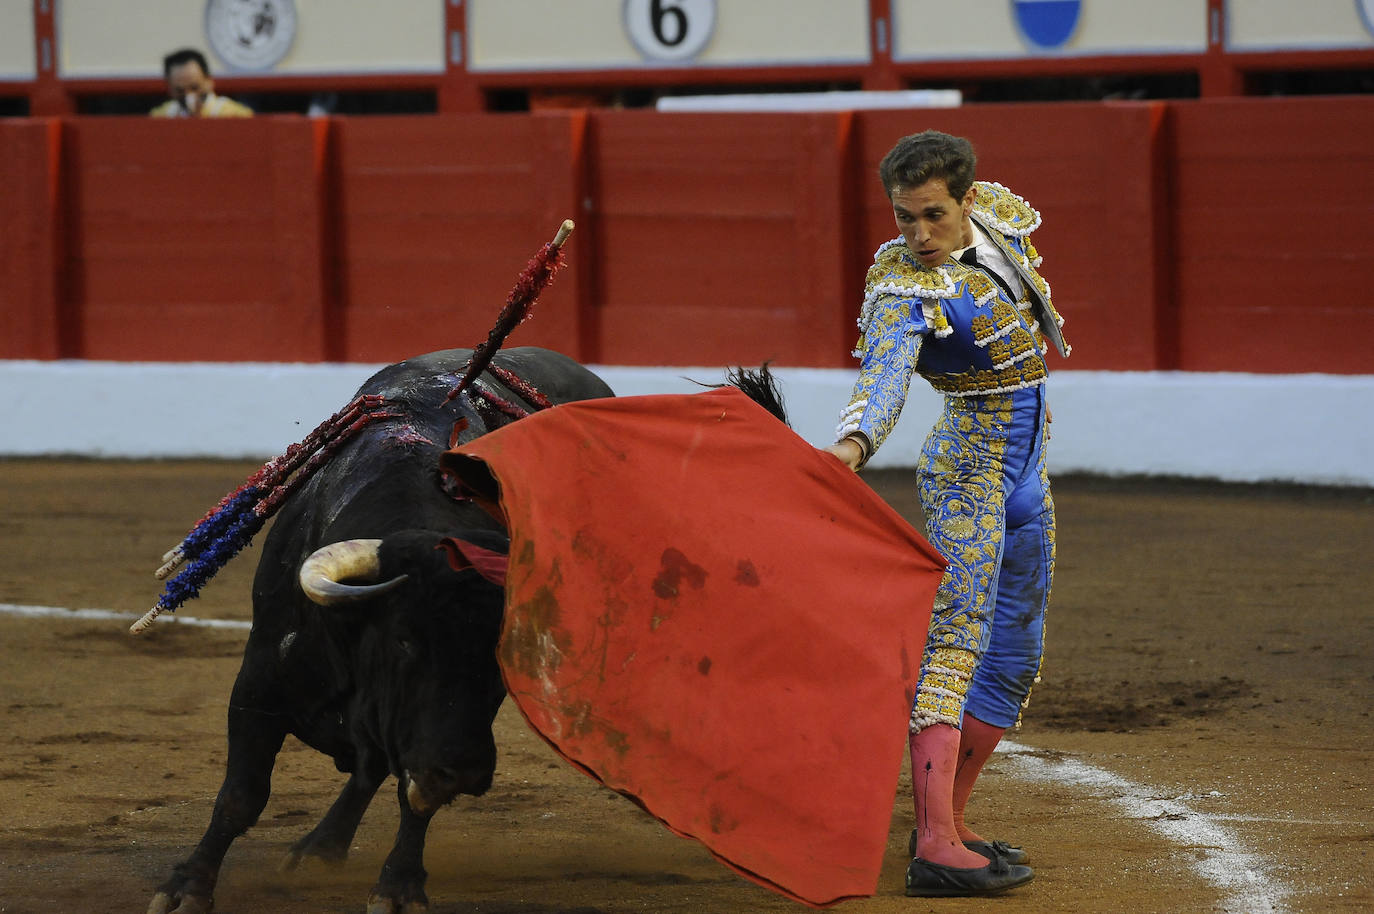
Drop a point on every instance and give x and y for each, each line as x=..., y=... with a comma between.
x=321, y=574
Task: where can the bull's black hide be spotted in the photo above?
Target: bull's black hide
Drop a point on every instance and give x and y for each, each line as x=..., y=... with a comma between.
x=405, y=683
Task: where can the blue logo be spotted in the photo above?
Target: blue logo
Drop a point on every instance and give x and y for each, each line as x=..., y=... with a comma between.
x=1047, y=24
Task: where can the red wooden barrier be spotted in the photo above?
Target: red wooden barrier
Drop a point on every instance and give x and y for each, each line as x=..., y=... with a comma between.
x=722, y=238
x=30, y=239
x=1272, y=203
x=437, y=216
x=190, y=241
x=1200, y=236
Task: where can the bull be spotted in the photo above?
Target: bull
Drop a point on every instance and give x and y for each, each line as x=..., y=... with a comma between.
x=367, y=644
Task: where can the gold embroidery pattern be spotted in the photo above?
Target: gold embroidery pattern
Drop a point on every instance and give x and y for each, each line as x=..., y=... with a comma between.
x=889, y=390
x=943, y=688
x=981, y=287
x=959, y=481
x=960, y=486
x=1005, y=211
x=1018, y=345
x=887, y=370
x=994, y=381
x=1003, y=321
x=895, y=274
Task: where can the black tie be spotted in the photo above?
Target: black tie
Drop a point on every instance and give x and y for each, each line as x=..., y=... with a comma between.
x=970, y=258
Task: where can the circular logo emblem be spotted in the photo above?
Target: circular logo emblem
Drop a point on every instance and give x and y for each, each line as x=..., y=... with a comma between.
x=669, y=31
x=250, y=34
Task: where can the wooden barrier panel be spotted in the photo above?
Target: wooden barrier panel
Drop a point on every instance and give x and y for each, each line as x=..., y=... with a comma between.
x=722, y=237
x=1207, y=236
x=1273, y=200
x=437, y=216
x=1089, y=170
x=195, y=240
x=30, y=239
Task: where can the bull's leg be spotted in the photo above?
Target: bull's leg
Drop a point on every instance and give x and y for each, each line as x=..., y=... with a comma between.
x=401, y=887
x=255, y=738
x=331, y=839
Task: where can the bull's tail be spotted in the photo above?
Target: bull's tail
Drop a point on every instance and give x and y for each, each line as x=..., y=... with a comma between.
x=759, y=385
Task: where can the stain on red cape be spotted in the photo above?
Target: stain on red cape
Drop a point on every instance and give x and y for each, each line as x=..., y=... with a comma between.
x=716, y=619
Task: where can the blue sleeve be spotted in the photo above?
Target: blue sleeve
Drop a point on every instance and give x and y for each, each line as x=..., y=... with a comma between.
x=890, y=348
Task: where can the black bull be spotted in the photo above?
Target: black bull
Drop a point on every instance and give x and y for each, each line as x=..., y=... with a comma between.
x=403, y=681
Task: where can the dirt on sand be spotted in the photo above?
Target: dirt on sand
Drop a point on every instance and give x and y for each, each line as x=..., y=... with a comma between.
x=1201, y=740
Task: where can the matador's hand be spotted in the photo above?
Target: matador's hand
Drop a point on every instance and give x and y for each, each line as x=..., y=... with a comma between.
x=850, y=452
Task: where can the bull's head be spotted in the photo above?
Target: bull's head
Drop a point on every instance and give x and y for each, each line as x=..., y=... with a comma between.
x=427, y=682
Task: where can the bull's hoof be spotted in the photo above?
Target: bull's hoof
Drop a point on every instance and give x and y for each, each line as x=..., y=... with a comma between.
x=298, y=855
x=290, y=861
x=162, y=903
x=314, y=847
x=379, y=905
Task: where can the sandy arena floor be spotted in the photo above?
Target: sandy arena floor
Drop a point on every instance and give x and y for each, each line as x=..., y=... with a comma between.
x=1201, y=742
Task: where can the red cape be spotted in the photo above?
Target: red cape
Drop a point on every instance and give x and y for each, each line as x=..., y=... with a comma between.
x=716, y=619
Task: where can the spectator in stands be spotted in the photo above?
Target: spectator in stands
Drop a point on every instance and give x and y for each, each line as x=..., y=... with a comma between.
x=957, y=300
x=192, y=91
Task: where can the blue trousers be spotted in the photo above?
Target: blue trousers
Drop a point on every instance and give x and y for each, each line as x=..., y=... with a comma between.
x=988, y=509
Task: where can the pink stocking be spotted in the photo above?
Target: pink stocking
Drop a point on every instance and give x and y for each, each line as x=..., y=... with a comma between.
x=934, y=753
x=977, y=740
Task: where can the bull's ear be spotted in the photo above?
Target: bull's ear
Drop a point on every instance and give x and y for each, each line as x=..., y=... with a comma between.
x=472, y=478
x=486, y=561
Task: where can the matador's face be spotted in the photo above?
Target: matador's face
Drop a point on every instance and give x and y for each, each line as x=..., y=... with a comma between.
x=932, y=222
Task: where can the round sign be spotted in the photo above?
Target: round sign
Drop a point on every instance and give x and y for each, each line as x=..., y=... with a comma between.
x=670, y=30
x=250, y=34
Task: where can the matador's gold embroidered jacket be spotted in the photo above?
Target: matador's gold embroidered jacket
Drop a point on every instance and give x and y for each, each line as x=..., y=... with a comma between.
x=951, y=324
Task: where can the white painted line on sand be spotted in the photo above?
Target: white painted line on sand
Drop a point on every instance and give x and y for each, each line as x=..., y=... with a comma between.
x=1223, y=861
x=61, y=612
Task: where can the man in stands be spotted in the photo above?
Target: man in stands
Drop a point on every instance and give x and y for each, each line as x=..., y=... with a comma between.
x=192, y=91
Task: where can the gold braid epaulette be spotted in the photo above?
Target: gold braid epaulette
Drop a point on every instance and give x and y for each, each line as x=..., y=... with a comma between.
x=1005, y=211
x=894, y=273
x=894, y=268
x=1009, y=213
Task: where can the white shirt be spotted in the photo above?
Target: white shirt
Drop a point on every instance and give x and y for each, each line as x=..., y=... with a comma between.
x=990, y=257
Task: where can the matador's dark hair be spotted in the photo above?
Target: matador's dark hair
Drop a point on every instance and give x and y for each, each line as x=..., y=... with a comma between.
x=920, y=157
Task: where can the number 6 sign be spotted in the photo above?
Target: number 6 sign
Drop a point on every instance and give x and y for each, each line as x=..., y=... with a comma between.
x=670, y=30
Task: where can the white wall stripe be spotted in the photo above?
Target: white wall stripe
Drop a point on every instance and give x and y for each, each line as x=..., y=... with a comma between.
x=1217, y=425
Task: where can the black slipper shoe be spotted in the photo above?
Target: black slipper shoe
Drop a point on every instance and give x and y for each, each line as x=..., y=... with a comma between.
x=933, y=880
x=1012, y=853
x=993, y=849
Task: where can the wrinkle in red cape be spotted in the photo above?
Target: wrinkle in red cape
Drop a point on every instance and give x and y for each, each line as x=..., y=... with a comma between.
x=714, y=618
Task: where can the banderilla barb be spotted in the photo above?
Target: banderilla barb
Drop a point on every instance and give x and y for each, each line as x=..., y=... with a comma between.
x=538, y=273
x=230, y=526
